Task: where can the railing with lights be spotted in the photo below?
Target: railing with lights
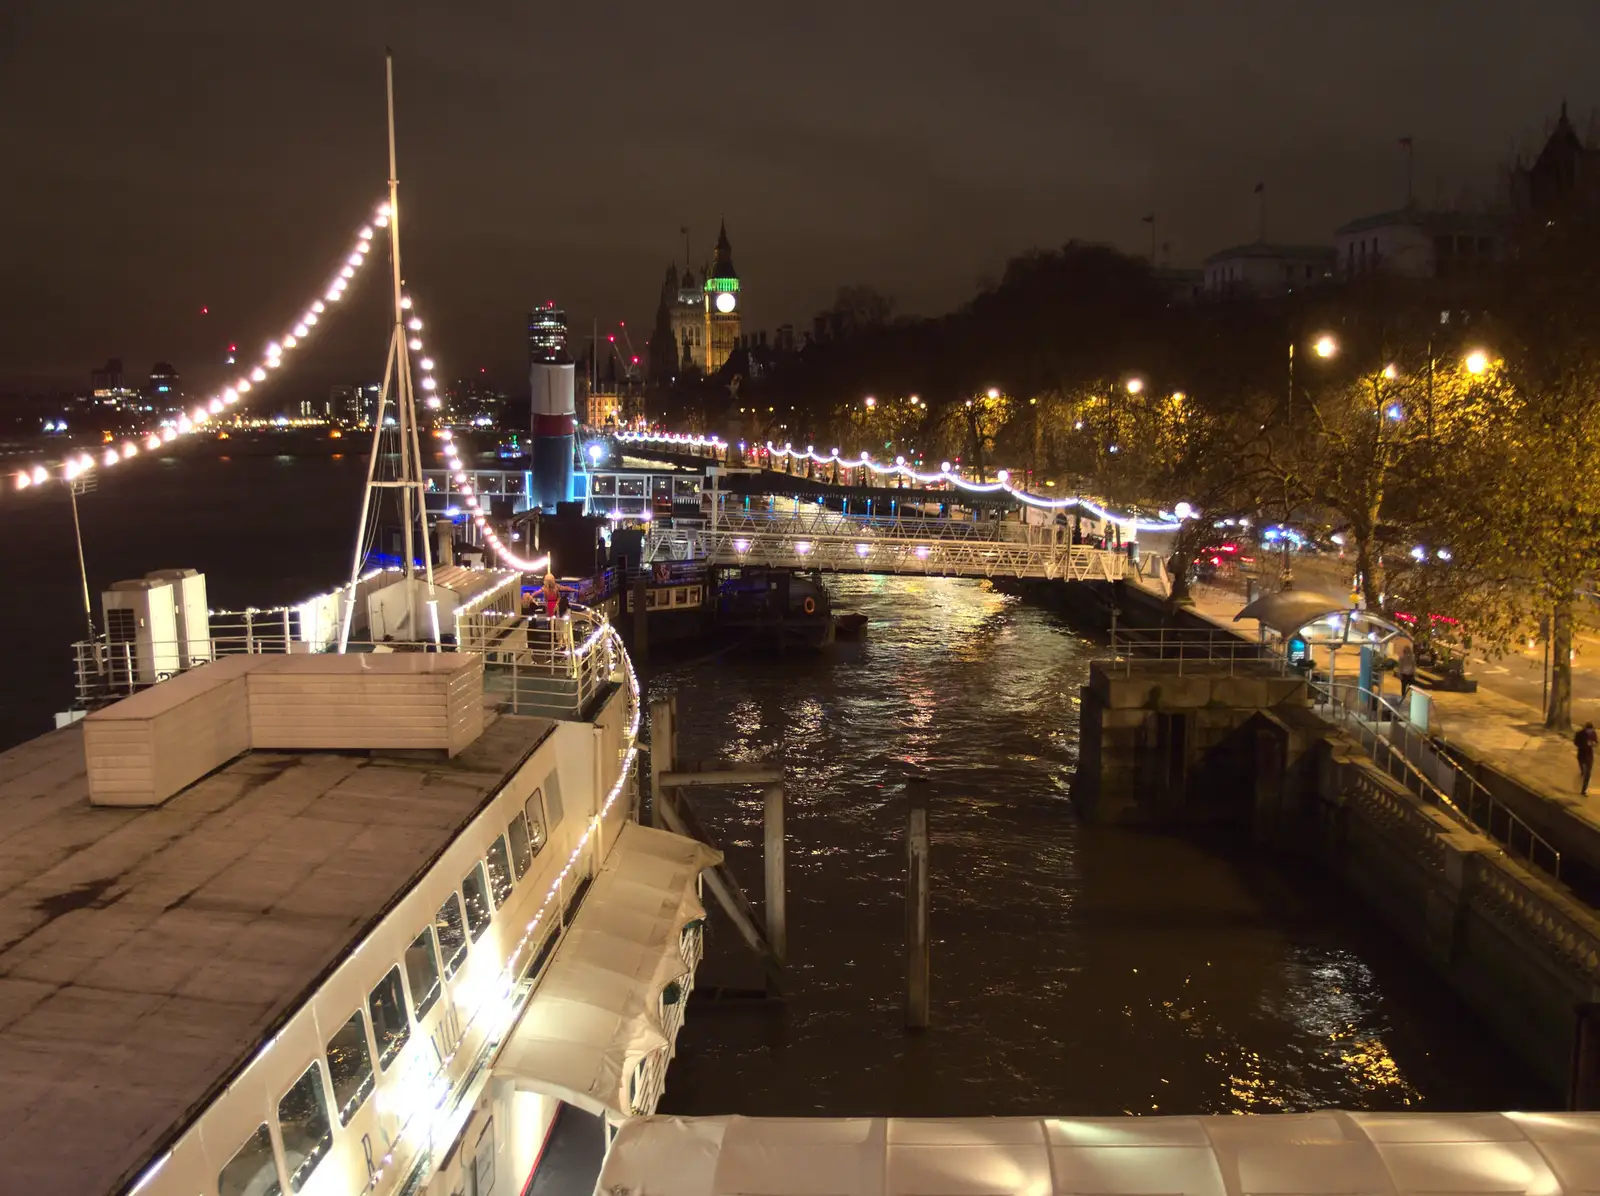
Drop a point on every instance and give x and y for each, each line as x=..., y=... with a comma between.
x=827, y=540
x=718, y=448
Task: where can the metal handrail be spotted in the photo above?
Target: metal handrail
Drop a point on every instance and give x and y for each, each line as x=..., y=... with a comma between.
x=1185, y=647
x=1477, y=809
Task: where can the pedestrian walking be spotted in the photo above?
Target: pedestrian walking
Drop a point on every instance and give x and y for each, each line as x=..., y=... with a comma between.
x=1406, y=667
x=1585, y=741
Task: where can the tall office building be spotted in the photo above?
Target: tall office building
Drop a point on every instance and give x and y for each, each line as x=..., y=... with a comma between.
x=553, y=383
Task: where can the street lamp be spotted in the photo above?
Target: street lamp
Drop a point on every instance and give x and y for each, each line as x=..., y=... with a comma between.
x=994, y=393
x=1477, y=361
x=1325, y=346
x=871, y=402
x=1135, y=385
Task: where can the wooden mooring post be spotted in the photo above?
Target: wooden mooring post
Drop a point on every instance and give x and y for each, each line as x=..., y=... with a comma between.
x=918, y=900
x=671, y=809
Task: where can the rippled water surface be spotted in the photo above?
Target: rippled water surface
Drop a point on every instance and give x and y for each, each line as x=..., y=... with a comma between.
x=1077, y=970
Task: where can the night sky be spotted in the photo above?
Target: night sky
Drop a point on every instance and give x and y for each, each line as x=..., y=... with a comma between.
x=164, y=156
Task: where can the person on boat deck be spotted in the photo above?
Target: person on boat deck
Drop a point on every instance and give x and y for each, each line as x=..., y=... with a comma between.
x=552, y=595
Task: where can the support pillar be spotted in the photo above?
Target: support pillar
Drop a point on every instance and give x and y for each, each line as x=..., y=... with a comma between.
x=918, y=900
x=776, y=902
x=641, y=618
x=663, y=752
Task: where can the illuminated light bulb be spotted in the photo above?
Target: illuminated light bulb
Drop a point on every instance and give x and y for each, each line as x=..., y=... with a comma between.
x=289, y=342
x=215, y=406
x=427, y=363
x=741, y=546
x=301, y=329
x=462, y=478
x=382, y=222
x=230, y=395
x=317, y=308
x=274, y=349
x=353, y=260
x=111, y=457
x=415, y=324
x=428, y=384
x=944, y=467
x=71, y=470
x=862, y=550
x=405, y=303
x=802, y=548
x=348, y=272
x=154, y=442
x=864, y=454
x=258, y=374
x=23, y=480
x=414, y=344
x=435, y=402
x=130, y=450
x=384, y=209
x=243, y=385
x=365, y=234
x=184, y=425
x=922, y=552
x=361, y=251
x=332, y=296
x=899, y=460
x=311, y=319
x=1183, y=511
x=274, y=362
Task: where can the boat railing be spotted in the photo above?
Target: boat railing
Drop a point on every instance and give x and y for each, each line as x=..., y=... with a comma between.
x=532, y=665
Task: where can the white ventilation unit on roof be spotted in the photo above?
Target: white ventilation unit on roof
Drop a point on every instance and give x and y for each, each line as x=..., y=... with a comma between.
x=141, y=632
x=192, y=614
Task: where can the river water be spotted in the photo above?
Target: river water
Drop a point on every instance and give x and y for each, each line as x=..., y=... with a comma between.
x=1076, y=970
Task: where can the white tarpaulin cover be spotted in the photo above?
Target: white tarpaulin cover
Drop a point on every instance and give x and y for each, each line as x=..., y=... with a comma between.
x=596, y=1013
x=1308, y=1154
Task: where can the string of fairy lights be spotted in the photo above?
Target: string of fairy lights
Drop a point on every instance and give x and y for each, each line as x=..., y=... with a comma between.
x=458, y=471
x=945, y=476
x=205, y=413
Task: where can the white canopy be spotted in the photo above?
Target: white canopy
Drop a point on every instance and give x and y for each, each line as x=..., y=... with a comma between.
x=1309, y=1154
x=596, y=1013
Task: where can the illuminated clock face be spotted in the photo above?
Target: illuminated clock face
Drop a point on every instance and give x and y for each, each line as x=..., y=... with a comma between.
x=726, y=302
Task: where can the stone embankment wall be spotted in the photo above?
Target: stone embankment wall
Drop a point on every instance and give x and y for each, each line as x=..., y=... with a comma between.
x=1217, y=744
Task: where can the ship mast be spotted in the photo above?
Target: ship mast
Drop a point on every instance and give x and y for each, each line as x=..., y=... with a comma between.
x=396, y=376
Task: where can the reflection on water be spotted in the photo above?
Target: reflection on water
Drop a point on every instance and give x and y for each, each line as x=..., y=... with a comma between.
x=1077, y=970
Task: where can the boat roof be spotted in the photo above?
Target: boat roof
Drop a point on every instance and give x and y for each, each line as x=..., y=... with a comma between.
x=146, y=954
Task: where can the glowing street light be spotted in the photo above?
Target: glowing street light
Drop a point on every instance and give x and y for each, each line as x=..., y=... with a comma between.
x=1390, y=372
x=1477, y=361
x=871, y=402
x=1325, y=346
x=1135, y=385
x=994, y=392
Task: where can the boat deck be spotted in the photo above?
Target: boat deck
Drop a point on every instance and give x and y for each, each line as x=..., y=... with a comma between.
x=146, y=954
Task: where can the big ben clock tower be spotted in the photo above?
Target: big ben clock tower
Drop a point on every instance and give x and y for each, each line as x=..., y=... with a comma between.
x=722, y=305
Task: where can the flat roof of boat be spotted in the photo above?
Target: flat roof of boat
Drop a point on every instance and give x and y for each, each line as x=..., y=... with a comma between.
x=146, y=954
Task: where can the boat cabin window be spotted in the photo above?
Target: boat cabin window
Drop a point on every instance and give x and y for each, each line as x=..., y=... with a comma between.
x=452, y=934
x=303, y=1126
x=521, y=845
x=422, y=970
x=552, y=797
x=251, y=1171
x=476, y=891
x=536, y=824
x=499, y=872
x=350, y=1066
x=390, y=1027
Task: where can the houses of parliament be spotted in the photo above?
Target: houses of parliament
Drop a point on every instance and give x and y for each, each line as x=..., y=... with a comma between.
x=698, y=319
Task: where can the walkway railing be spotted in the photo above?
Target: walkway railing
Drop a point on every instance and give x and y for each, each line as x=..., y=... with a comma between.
x=1408, y=755
x=832, y=542
x=1177, y=649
